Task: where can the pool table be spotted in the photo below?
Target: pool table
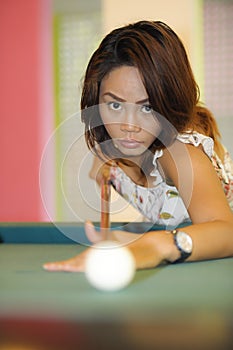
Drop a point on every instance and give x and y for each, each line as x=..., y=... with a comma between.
x=180, y=306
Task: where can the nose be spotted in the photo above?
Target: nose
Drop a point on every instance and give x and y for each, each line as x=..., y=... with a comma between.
x=129, y=127
x=129, y=122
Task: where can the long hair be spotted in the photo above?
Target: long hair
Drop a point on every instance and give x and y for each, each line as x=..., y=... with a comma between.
x=159, y=55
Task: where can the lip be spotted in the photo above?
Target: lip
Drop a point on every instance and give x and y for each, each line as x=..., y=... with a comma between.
x=130, y=143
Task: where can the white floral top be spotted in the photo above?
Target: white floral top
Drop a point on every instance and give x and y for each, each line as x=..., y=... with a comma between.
x=162, y=203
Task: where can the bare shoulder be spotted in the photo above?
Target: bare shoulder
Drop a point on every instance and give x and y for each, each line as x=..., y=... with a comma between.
x=192, y=172
x=181, y=157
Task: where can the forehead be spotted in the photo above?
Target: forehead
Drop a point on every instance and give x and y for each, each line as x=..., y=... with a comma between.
x=125, y=82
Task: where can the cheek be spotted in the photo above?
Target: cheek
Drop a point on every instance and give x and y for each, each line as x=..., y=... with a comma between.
x=108, y=121
x=152, y=129
x=105, y=116
x=112, y=130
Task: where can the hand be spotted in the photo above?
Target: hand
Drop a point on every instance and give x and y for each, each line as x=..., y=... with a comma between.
x=149, y=249
x=153, y=249
x=98, y=168
x=77, y=263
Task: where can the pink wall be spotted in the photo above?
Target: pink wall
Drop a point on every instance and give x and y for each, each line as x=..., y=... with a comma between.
x=25, y=110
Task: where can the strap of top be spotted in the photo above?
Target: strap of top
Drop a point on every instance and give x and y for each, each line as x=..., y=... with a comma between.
x=196, y=139
x=189, y=137
x=193, y=138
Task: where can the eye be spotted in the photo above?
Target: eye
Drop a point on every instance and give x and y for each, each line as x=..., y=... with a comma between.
x=146, y=109
x=116, y=106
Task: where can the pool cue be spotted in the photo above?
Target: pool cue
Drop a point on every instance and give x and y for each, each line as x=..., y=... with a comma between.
x=105, y=203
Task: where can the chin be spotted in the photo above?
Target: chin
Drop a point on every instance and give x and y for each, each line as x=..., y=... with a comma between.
x=131, y=153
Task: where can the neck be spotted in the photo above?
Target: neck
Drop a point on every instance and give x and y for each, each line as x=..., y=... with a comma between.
x=134, y=172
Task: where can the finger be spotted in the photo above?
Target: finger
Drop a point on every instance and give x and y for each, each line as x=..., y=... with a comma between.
x=54, y=266
x=91, y=233
x=75, y=264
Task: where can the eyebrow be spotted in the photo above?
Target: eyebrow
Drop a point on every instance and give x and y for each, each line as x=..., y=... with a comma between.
x=122, y=100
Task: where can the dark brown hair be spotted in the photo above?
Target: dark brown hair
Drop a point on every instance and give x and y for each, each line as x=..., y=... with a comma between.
x=158, y=53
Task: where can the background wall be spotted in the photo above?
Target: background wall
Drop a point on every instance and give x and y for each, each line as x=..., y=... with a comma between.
x=26, y=104
x=41, y=68
x=218, y=64
x=184, y=16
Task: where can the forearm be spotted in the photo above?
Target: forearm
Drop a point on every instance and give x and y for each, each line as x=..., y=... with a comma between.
x=211, y=240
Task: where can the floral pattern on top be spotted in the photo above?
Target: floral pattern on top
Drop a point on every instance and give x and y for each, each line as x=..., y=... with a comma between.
x=162, y=204
x=225, y=174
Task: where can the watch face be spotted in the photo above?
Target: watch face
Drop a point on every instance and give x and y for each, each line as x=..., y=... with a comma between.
x=184, y=241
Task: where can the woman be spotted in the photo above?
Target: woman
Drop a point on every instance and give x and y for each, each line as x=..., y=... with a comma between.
x=143, y=119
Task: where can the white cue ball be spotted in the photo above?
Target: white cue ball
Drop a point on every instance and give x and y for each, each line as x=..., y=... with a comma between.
x=109, y=266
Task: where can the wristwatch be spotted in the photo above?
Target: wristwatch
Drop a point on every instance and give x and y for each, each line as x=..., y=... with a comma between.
x=184, y=243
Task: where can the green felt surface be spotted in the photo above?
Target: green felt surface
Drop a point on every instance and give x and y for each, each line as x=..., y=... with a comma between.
x=183, y=306
x=182, y=290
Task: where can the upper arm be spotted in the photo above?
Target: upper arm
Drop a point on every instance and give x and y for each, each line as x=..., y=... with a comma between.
x=193, y=174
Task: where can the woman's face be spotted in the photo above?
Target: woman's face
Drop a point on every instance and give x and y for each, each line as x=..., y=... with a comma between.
x=126, y=112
